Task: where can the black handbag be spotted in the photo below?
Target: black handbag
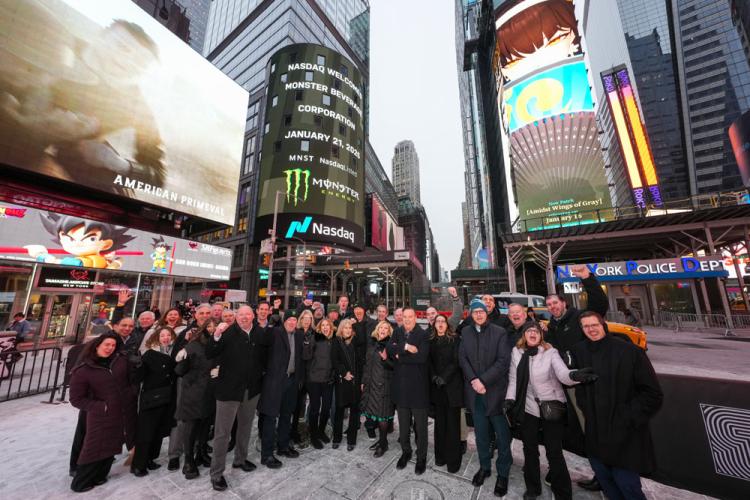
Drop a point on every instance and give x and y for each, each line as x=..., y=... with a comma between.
x=154, y=398
x=552, y=411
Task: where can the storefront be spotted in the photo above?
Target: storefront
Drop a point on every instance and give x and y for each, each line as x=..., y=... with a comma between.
x=684, y=285
x=66, y=272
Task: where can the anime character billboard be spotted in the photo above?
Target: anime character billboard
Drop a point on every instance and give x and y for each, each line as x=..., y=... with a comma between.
x=99, y=94
x=31, y=235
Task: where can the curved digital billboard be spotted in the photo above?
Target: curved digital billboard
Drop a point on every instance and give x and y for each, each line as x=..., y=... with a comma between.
x=313, y=149
x=557, y=168
x=106, y=98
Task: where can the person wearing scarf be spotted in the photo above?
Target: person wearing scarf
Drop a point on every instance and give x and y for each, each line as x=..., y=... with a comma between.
x=537, y=374
x=157, y=400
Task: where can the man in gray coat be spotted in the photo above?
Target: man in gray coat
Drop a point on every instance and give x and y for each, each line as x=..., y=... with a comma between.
x=484, y=356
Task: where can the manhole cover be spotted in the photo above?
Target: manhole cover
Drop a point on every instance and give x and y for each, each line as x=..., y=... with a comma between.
x=416, y=490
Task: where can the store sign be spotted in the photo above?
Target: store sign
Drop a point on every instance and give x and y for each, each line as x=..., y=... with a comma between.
x=655, y=269
x=313, y=149
x=73, y=278
x=31, y=235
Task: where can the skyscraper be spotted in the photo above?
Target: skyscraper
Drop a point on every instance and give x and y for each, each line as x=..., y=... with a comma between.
x=714, y=78
x=405, y=175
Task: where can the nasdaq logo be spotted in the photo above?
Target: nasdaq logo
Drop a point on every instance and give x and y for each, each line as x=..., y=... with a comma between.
x=298, y=227
x=297, y=178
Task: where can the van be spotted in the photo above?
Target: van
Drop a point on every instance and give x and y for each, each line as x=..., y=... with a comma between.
x=504, y=299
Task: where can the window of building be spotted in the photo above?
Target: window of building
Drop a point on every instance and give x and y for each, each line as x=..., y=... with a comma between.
x=299, y=95
x=344, y=70
x=337, y=84
x=242, y=225
x=293, y=57
x=308, y=76
x=247, y=164
x=283, y=78
x=244, y=195
x=326, y=100
x=287, y=119
x=277, y=146
x=335, y=151
x=239, y=256
x=267, y=128
x=321, y=60
x=274, y=101
x=304, y=145
x=350, y=111
x=342, y=129
x=273, y=68
x=318, y=121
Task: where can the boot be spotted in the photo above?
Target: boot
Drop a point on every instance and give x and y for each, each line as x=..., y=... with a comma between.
x=202, y=458
x=190, y=470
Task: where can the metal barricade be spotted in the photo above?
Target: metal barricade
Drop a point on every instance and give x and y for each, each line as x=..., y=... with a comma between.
x=25, y=373
x=701, y=322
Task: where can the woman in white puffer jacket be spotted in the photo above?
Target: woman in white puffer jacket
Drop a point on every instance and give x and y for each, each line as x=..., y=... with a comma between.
x=536, y=378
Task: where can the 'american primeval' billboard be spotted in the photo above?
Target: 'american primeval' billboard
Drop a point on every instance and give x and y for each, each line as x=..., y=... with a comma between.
x=557, y=167
x=99, y=94
x=313, y=149
x=31, y=235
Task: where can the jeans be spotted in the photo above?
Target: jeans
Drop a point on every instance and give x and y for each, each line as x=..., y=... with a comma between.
x=281, y=432
x=482, y=424
x=618, y=484
x=553, y=435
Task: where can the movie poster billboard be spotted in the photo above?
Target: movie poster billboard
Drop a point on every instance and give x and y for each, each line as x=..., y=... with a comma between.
x=386, y=234
x=313, y=149
x=31, y=235
x=99, y=94
x=557, y=168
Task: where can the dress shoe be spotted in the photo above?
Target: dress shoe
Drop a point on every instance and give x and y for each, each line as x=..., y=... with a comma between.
x=335, y=445
x=138, y=472
x=101, y=481
x=316, y=443
x=405, y=457
x=371, y=434
x=72, y=472
x=350, y=447
x=375, y=445
x=174, y=464
x=528, y=495
x=288, y=453
x=439, y=463
x=501, y=486
x=479, y=477
x=590, y=485
x=463, y=447
x=323, y=437
x=454, y=468
x=152, y=465
x=420, y=467
x=247, y=466
x=189, y=470
x=271, y=462
x=380, y=451
x=220, y=484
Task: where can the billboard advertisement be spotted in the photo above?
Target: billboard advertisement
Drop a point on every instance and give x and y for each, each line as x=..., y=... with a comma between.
x=739, y=137
x=313, y=149
x=387, y=235
x=31, y=235
x=556, y=165
x=100, y=95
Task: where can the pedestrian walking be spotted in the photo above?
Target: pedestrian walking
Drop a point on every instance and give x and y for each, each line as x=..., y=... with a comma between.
x=348, y=376
x=319, y=381
x=377, y=405
x=446, y=394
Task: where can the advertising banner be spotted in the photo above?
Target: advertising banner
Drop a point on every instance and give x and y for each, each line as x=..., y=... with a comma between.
x=386, y=234
x=31, y=235
x=556, y=165
x=652, y=269
x=313, y=149
x=100, y=95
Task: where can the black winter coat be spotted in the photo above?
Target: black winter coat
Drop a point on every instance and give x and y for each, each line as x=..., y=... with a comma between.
x=565, y=332
x=109, y=400
x=195, y=401
x=444, y=363
x=485, y=355
x=308, y=341
x=363, y=338
x=410, y=386
x=376, y=398
x=240, y=359
x=619, y=405
x=275, y=378
x=344, y=358
x=156, y=372
x=318, y=358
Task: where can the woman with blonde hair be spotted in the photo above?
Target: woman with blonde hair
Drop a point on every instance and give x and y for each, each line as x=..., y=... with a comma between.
x=347, y=378
x=376, y=385
x=535, y=399
x=319, y=381
x=305, y=324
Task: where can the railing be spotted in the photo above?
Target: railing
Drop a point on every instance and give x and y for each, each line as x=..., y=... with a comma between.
x=702, y=322
x=25, y=373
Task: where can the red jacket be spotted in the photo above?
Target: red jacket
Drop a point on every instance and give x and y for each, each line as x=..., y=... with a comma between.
x=110, y=402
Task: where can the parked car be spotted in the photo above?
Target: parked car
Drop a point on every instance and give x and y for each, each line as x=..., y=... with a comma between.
x=634, y=334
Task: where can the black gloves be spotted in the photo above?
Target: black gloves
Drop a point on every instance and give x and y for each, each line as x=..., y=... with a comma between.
x=438, y=380
x=584, y=375
x=508, y=404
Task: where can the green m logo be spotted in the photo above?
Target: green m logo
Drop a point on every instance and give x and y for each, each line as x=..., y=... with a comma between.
x=294, y=177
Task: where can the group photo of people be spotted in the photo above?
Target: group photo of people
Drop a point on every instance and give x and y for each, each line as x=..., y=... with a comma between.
x=206, y=377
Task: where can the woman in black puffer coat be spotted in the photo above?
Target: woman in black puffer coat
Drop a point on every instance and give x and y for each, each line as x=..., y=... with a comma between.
x=376, y=385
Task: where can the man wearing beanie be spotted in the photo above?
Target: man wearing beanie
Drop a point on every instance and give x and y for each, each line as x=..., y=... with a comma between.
x=283, y=376
x=484, y=356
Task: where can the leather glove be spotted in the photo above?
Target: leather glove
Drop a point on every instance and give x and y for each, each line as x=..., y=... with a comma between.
x=508, y=404
x=584, y=375
x=438, y=380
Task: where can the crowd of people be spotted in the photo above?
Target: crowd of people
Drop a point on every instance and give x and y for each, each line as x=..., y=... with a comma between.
x=567, y=383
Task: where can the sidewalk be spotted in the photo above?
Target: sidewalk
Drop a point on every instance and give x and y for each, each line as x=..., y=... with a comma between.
x=36, y=439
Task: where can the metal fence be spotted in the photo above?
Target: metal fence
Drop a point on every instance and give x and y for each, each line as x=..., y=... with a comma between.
x=702, y=322
x=25, y=373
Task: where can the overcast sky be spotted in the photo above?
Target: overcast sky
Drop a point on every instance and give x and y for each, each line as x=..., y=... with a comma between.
x=414, y=95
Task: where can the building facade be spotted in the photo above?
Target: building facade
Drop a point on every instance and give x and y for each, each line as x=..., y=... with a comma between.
x=405, y=171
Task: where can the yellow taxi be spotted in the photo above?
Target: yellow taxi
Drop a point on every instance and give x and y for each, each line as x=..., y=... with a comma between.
x=632, y=333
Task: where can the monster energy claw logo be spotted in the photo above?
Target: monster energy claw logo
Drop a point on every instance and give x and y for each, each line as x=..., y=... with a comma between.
x=293, y=177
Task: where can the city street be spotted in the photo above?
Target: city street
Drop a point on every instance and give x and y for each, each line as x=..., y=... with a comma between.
x=38, y=437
